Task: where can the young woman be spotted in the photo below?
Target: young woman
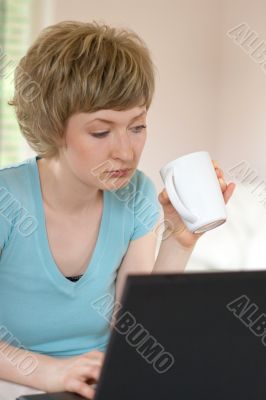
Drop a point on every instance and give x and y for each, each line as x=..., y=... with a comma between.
x=72, y=219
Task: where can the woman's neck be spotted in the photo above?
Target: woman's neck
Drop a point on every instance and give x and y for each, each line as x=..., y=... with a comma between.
x=62, y=191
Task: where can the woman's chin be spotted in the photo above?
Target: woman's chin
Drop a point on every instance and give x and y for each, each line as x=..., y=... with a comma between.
x=116, y=183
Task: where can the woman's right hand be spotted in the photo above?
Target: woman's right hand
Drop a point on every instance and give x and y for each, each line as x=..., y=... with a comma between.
x=75, y=374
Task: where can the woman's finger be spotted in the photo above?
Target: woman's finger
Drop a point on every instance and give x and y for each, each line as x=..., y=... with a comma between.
x=85, y=379
x=94, y=355
x=163, y=197
x=89, y=372
x=215, y=164
x=229, y=191
x=88, y=362
x=82, y=388
x=219, y=173
x=218, y=170
x=223, y=185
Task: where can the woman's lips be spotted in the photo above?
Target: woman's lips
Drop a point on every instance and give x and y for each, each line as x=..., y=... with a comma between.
x=118, y=173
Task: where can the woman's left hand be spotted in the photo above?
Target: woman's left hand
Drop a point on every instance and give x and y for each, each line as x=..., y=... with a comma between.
x=174, y=222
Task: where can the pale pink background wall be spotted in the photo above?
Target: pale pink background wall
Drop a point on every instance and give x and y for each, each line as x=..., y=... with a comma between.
x=242, y=111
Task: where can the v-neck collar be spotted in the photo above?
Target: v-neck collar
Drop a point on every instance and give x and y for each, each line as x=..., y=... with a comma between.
x=49, y=262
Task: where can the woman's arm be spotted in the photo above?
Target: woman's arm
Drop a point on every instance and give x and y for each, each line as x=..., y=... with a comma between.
x=140, y=258
x=24, y=367
x=74, y=374
x=172, y=257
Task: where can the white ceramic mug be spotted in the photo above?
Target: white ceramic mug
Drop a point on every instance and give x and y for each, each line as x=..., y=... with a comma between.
x=194, y=190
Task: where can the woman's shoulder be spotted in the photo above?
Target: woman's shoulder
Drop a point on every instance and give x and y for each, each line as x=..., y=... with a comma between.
x=15, y=189
x=18, y=186
x=15, y=175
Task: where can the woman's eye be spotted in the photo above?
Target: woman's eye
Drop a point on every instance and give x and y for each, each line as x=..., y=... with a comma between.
x=100, y=134
x=139, y=128
x=136, y=129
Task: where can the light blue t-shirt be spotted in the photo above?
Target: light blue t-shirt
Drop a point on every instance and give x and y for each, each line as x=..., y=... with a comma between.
x=40, y=308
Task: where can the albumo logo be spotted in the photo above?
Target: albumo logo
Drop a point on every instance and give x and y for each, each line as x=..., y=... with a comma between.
x=135, y=334
x=248, y=313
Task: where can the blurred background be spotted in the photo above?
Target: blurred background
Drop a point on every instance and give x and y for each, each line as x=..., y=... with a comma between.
x=210, y=95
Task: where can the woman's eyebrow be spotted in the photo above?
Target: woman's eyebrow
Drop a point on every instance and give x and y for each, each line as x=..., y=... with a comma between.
x=106, y=120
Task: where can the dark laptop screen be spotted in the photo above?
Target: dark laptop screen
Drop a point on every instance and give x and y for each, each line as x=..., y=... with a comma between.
x=189, y=336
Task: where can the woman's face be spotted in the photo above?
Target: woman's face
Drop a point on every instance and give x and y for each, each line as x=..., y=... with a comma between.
x=103, y=141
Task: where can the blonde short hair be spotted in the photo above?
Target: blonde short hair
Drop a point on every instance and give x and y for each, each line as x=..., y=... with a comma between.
x=78, y=67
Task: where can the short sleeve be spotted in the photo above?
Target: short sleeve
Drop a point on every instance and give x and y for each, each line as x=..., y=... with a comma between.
x=5, y=224
x=147, y=208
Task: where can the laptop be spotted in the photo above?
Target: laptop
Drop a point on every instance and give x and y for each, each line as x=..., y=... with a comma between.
x=186, y=336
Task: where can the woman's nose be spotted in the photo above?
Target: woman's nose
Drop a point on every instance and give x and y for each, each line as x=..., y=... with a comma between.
x=122, y=147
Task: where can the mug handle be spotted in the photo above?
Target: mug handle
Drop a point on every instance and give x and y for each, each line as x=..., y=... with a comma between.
x=175, y=200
